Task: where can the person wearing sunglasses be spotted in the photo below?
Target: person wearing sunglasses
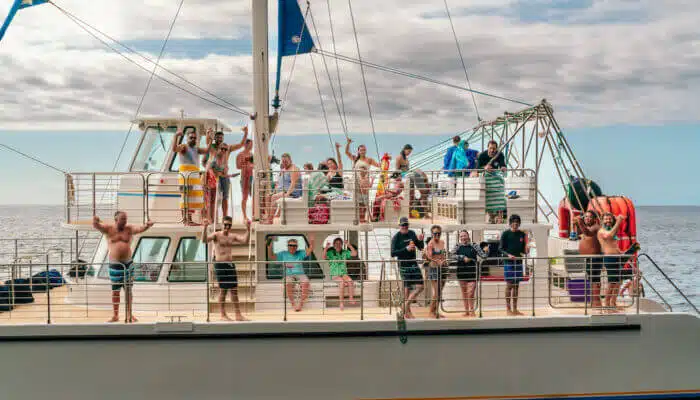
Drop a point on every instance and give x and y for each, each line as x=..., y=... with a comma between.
x=403, y=247
x=292, y=259
x=465, y=256
x=224, y=267
x=436, y=255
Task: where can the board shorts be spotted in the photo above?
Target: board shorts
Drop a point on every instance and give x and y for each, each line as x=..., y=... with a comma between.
x=613, y=267
x=226, y=275
x=224, y=187
x=411, y=276
x=435, y=274
x=121, y=275
x=466, y=272
x=513, y=271
x=594, y=267
x=301, y=278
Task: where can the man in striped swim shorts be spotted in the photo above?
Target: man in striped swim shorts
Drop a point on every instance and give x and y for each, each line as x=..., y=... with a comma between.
x=119, y=237
x=190, y=178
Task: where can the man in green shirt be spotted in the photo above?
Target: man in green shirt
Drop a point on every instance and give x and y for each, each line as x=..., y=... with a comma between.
x=337, y=257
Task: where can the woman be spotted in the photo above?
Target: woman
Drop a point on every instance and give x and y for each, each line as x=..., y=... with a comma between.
x=391, y=197
x=436, y=255
x=402, y=162
x=217, y=179
x=335, y=168
x=465, y=256
x=361, y=156
x=337, y=257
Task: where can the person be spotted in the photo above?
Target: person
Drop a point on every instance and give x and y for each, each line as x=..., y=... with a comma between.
x=361, y=156
x=463, y=160
x=613, y=258
x=514, y=246
x=218, y=170
x=335, y=168
x=294, y=270
x=318, y=182
x=402, y=163
x=121, y=269
x=289, y=183
x=436, y=255
x=391, y=197
x=213, y=148
x=447, y=160
x=337, y=257
x=244, y=163
x=492, y=161
x=190, y=179
x=224, y=267
x=365, y=184
x=589, y=245
x=403, y=247
x=465, y=256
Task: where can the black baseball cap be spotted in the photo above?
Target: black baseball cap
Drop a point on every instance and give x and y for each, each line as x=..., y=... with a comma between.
x=403, y=221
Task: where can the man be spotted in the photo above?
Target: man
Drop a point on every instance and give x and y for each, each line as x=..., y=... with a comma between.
x=190, y=179
x=513, y=245
x=613, y=259
x=447, y=160
x=224, y=184
x=590, y=245
x=119, y=237
x=403, y=247
x=224, y=267
x=294, y=270
x=491, y=161
x=244, y=162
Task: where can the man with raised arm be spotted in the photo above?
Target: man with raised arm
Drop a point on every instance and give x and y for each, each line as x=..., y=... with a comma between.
x=224, y=267
x=589, y=245
x=294, y=269
x=403, y=247
x=119, y=237
x=613, y=258
x=188, y=154
x=223, y=182
x=494, y=163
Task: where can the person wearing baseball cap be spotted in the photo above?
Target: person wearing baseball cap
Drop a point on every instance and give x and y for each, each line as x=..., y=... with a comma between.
x=403, y=247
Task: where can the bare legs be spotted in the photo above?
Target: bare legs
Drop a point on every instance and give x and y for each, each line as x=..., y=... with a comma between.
x=410, y=296
x=512, y=290
x=236, y=305
x=129, y=305
x=343, y=282
x=468, y=297
x=115, y=305
x=436, y=288
x=611, y=295
x=291, y=292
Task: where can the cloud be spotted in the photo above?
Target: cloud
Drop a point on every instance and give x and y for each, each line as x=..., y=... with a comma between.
x=598, y=62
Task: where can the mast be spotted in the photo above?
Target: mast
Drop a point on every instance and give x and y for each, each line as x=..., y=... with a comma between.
x=261, y=99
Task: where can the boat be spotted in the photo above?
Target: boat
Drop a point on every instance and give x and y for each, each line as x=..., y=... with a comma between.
x=59, y=345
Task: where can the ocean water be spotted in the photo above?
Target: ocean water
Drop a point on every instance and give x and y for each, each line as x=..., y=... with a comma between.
x=669, y=235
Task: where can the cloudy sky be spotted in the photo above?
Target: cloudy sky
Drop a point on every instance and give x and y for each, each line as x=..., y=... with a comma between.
x=612, y=69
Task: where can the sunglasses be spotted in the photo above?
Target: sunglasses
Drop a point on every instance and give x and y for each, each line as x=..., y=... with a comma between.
x=437, y=233
x=291, y=245
x=227, y=225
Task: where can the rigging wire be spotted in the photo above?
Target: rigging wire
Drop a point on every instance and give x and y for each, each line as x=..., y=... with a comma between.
x=364, y=79
x=337, y=64
x=461, y=58
x=25, y=155
x=84, y=26
x=418, y=77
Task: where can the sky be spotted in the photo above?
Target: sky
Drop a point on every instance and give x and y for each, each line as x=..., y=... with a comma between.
x=622, y=76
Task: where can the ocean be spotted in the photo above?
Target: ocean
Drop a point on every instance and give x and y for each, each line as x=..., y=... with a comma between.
x=670, y=235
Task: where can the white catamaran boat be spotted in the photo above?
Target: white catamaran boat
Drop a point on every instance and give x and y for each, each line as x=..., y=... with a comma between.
x=55, y=342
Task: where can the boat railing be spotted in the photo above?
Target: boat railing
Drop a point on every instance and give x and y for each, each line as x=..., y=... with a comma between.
x=191, y=290
x=58, y=249
x=663, y=280
x=375, y=196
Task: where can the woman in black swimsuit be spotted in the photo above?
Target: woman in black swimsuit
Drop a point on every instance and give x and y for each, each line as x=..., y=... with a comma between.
x=335, y=168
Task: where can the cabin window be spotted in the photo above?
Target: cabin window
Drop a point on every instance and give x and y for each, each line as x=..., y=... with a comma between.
x=175, y=164
x=274, y=270
x=156, y=144
x=148, y=258
x=190, y=250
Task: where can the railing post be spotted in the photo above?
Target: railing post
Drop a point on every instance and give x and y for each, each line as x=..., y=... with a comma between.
x=284, y=200
x=206, y=283
x=362, y=294
x=94, y=195
x=637, y=284
x=585, y=284
x=145, y=185
x=479, y=297
x=48, y=292
x=284, y=290
x=532, y=283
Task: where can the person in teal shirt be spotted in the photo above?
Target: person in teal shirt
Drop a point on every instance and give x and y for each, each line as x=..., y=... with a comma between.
x=337, y=257
x=294, y=270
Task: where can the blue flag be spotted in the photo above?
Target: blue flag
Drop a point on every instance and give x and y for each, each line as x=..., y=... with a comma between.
x=293, y=37
x=18, y=5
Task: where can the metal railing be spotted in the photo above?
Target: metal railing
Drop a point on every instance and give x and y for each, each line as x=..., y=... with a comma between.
x=192, y=290
x=384, y=196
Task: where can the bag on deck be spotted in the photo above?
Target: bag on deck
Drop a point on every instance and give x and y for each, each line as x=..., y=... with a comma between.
x=5, y=299
x=22, y=291
x=319, y=214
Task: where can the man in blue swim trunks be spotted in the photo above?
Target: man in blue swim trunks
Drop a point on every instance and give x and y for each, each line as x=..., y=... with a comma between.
x=119, y=237
x=403, y=247
x=513, y=246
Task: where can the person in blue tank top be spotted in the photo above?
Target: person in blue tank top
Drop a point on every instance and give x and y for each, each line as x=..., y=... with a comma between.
x=292, y=259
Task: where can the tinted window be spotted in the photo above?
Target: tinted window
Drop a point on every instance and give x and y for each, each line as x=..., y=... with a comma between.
x=189, y=250
x=154, y=149
x=148, y=258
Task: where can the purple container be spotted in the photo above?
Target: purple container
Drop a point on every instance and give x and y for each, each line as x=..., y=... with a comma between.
x=577, y=289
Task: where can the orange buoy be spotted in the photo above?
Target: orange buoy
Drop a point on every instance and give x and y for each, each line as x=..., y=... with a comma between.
x=566, y=217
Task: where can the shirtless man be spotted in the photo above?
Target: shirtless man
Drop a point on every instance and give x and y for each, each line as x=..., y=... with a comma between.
x=589, y=245
x=224, y=267
x=213, y=147
x=614, y=259
x=119, y=237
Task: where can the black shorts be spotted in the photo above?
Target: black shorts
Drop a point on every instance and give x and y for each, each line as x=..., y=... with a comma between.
x=466, y=272
x=411, y=276
x=613, y=266
x=226, y=275
x=594, y=266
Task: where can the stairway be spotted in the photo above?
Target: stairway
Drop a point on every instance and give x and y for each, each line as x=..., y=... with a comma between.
x=246, y=273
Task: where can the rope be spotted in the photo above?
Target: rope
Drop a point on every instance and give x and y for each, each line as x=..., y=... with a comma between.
x=364, y=80
x=323, y=107
x=419, y=77
x=337, y=65
x=23, y=154
x=83, y=26
x=149, y=60
x=461, y=58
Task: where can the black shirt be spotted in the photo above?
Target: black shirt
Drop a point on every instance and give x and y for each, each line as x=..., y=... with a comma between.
x=513, y=243
x=498, y=162
x=465, y=250
x=399, y=244
x=336, y=181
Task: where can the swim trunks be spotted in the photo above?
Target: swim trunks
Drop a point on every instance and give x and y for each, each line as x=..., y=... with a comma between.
x=224, y=187
x=594, y=266
x=121, y=275
x=411, y=276
x=226, y=275
x=513, y=271
x=613, y=265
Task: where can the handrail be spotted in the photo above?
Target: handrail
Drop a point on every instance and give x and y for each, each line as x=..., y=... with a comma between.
x=645, y=255
x=668, y=306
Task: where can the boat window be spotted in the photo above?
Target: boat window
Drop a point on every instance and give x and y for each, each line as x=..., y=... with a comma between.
x=148, y=258
x=103, y=268
x=273, y=270
x=175, y=164
x=154, y=149
x=189, y=250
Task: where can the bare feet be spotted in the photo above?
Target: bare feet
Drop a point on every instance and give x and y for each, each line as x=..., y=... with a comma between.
x=342, y=307
x=297, y=308
x=409, y=315
x=114, y=319
x=516, y=312
x=240, y=317
x=133, y=319
x=226, y=317
x=353, y=302
x=433, y=315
